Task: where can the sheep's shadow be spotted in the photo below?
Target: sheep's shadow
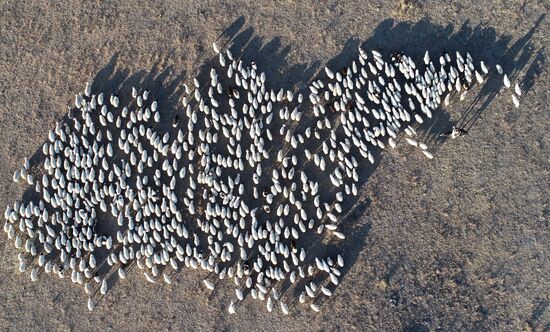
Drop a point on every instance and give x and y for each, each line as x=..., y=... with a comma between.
x=112, y=81
x=415, y=40
x=272, y=58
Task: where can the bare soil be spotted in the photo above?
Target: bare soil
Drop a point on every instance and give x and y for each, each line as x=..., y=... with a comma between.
x=460, y=242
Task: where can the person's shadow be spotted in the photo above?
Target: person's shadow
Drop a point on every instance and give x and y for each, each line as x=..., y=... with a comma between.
x=271, y=58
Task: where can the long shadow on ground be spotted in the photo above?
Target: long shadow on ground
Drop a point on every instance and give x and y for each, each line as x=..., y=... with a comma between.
x=272, y=58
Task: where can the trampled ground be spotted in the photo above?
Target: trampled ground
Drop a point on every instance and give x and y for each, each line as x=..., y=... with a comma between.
x=457, y=242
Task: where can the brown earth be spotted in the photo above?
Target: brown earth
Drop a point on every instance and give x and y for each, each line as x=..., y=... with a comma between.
x=460, y=242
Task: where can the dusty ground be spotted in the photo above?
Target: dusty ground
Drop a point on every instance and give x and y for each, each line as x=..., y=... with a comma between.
x=458, y=242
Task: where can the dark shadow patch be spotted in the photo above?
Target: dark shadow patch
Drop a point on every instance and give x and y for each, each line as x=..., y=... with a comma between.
x=272, y=58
